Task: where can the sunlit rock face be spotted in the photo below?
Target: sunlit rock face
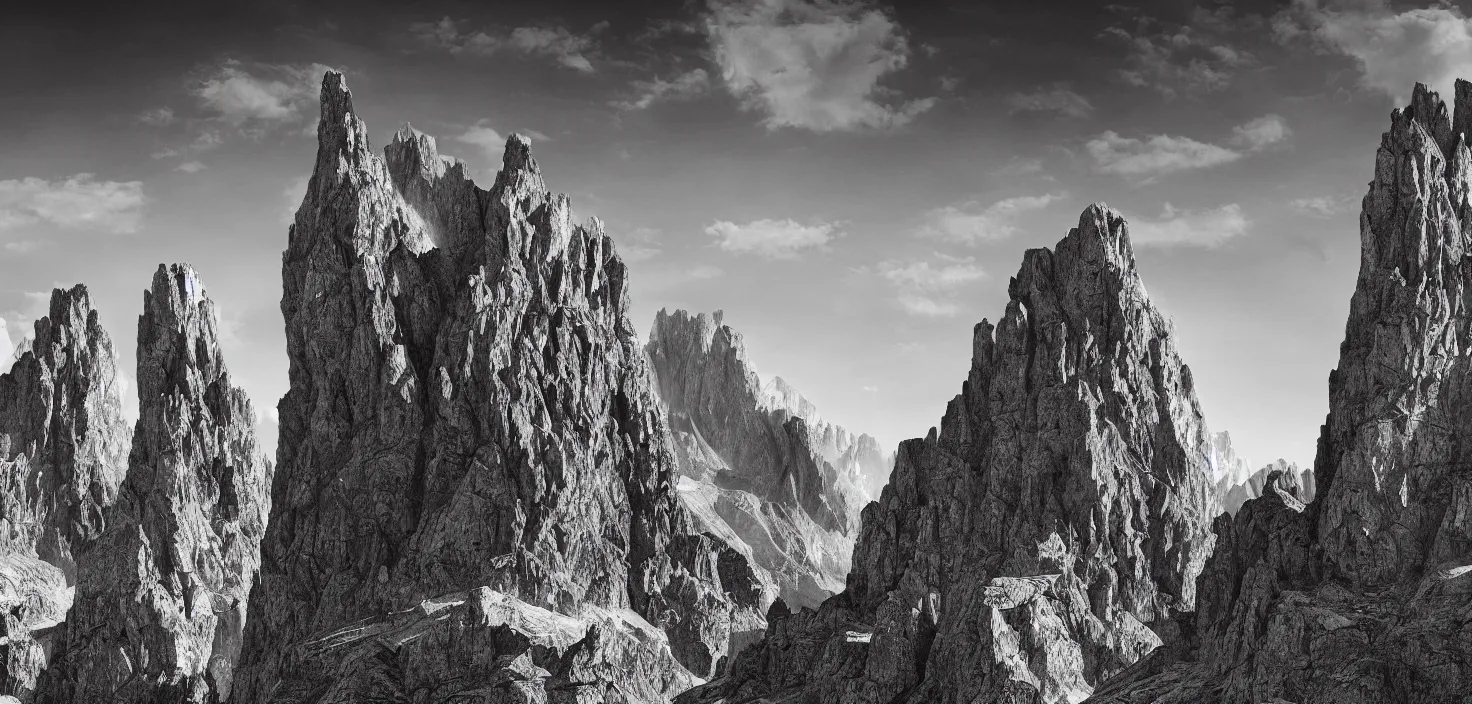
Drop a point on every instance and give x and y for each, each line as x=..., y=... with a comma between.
x=1361, y=595
x=469, y=408
x=161, y=597
x=63, y=454
x=1045, y=535
x=759, y=465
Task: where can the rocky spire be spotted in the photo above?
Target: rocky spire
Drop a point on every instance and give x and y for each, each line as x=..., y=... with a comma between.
x=63, y=453
x=61, y=419
x=1032, y=546
x=1359, y=595
x=468, y=408
x=160, y=603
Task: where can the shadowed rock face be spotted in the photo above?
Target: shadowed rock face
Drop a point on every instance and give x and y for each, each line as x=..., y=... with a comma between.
x=469, y=407
x=760, y=466
x=160, y=599
x=63, y=454
x=1026, y=550
x=1361, y=596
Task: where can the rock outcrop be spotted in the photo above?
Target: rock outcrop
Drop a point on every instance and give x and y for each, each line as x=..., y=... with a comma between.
x=1036, y=543
x=760, y=467
x=63, y=454
x=161, y=598
x=1362, y=595
x=469, y=408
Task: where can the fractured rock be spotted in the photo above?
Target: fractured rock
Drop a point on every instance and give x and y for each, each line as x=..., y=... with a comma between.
x=1076, y=448
x=469, y=407
x=1361, y=595
x=161, y=599
x=759, y=465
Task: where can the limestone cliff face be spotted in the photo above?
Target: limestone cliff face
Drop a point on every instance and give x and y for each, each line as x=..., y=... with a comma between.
x=759, y=463
x=469, y=408
x=1025, y=550
x=1361, y=595
x=63, y=454
x=161, y=598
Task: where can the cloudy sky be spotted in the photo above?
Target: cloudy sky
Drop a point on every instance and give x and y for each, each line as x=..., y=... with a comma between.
x=852, y=182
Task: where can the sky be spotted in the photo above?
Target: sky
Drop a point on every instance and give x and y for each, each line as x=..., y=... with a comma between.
x=852, y=182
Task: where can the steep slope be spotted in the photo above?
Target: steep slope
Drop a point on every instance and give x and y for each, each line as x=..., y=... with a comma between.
x=1027, y=549
x=469, y=408
x=758, y=462
x=160, y=600
x=63, y=454
x=1362, y=595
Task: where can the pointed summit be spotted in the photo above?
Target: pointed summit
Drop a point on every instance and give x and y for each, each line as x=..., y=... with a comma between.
x=160, y=603
x=470, y=410
x=1071, y=468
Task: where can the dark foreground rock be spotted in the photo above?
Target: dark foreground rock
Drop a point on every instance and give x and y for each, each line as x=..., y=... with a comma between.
x=1362, y=595
x=1045, y=537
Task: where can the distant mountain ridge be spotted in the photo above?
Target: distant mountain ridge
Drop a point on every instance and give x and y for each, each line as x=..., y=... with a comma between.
x=759, y=463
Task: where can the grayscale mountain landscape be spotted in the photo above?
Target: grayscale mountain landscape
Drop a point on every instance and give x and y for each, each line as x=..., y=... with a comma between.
x=587, y=366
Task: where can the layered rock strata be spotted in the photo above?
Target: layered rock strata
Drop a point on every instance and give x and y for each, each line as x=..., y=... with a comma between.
x=161, y=599
x=759, y=466
x=1363, y=594
x=469, y=407
x=1035, y=544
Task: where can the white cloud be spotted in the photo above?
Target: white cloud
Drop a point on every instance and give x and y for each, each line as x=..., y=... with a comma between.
x=971, y=223
x=1394, y=50
x=1156, y=155
x=482, y=135
x=1321, y=206
x=190, y=167
x=78, y=202
x=923, y=289
x=812, y=64
x=157, y=117
x=685, y=86
x=772, y=239
x=1162, y=154
x=265, y=94
x=1260, y=133
x=535, y=135
x=870, y=389
x=1057, y=98
x=557, y=42
x=1196, y=57
x=1186, y=228
x=567, y=48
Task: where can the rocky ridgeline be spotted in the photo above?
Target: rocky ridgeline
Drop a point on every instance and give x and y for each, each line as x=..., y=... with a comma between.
x=63, y=454
x=1236, y=483
x=759, y=466
x=160, y=600
x=471, y=441
x=1361, y=595
x=1026, y=550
